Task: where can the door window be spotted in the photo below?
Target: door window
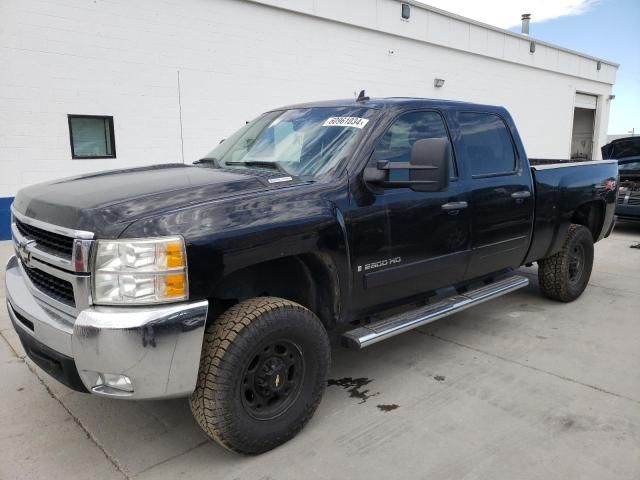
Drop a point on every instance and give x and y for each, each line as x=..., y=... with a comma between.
x=487, y=144
x=397, y=142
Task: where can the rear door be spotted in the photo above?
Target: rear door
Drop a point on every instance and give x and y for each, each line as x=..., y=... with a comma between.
x=501, y=193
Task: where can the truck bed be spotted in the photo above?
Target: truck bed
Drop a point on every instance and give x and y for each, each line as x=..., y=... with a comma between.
x=555, y=161
x=564, y=190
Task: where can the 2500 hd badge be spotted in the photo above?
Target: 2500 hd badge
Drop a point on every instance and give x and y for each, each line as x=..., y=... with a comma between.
x=381, y=263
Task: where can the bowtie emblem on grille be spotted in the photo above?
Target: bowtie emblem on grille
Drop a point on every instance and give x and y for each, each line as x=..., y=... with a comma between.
x=23, y=250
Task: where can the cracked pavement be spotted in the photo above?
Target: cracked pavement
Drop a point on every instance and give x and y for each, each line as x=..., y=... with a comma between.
x=520, y=387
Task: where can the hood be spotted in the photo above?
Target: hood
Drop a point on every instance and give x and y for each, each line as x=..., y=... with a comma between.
x=106, y=203
x=621, y=148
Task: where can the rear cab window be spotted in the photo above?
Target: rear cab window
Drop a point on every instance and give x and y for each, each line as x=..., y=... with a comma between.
x=488, y=145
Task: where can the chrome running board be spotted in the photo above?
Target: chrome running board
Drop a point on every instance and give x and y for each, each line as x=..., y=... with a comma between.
x=388, y=327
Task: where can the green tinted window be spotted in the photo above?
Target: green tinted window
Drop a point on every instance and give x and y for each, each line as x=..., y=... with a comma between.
x=91, y=136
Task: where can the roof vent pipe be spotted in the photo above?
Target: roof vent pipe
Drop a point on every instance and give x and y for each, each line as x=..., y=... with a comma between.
x=526, y=17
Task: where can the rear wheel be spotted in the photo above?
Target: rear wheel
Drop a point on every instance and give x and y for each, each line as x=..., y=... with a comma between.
x=565, y=275
x=262, y=374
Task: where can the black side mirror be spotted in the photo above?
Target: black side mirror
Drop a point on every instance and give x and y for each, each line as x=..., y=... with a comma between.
x=428, y=167
x=375, y=175
x=429, y=170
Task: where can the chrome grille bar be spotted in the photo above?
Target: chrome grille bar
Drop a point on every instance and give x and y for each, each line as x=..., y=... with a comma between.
x=26, y=246
x=39, y=262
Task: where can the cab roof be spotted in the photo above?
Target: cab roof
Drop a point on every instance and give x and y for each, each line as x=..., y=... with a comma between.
x=399, y=103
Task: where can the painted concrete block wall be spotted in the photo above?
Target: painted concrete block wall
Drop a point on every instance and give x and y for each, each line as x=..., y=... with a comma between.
x=177, y=76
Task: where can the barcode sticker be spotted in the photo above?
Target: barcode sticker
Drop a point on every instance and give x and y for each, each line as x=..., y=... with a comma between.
x=355, y=122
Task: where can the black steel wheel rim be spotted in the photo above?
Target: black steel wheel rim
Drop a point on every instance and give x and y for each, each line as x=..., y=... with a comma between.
x=272, y=379
x=576, y=263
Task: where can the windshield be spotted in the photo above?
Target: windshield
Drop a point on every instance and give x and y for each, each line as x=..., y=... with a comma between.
x=300, y=142
x=629, y=166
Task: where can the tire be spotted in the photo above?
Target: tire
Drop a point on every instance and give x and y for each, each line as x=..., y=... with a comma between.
x=263, y=371
x=565, y=275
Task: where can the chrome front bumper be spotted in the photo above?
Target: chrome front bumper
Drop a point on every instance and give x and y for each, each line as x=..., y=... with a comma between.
x=156, y=348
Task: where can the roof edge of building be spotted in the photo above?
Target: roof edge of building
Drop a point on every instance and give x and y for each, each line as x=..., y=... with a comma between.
x=311, y=11
x=521, y=36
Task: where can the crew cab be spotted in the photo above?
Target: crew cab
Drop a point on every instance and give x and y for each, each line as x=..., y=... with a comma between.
x=219, y=281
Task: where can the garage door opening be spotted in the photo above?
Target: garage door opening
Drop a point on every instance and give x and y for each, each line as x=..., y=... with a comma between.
x=584, y=119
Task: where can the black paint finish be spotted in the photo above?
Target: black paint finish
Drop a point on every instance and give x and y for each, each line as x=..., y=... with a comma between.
x=233, y=219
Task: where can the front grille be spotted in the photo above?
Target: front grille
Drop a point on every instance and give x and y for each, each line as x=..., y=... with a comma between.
x=49, y=240
x=55, y=287
x=634, y=198
x=620, y=199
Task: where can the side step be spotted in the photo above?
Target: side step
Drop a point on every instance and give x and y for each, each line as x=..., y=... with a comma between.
x=388, y=327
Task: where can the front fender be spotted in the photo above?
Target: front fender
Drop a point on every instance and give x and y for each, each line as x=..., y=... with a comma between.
x=226, y=236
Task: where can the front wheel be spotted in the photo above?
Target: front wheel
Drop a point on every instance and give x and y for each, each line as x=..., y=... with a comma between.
x=263, y=371
x=565, y=275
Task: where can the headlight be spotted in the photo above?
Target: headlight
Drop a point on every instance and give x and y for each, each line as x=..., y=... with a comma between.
x=140, y=271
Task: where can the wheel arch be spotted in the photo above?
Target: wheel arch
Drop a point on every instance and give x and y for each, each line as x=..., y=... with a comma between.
x=591, y=215
x=309, y=279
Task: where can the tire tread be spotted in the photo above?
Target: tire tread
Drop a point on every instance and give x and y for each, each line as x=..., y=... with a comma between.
x=552, y=271
x=208, y=400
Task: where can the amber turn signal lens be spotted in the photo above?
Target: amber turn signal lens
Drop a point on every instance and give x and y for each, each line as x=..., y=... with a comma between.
x=174, y=255
x=175, y=285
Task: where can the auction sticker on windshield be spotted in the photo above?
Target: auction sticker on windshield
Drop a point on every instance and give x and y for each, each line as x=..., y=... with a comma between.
x=355, y=122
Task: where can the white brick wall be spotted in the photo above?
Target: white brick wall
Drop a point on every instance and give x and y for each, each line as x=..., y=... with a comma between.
x=238, y=58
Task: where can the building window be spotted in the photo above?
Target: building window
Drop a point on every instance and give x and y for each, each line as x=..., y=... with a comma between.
x=406, y=11
x=91, y=136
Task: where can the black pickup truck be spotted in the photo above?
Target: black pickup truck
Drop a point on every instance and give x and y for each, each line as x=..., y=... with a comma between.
x=219, y=281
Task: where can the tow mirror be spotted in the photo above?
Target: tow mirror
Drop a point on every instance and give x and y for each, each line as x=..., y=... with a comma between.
x=375, y=174
x=428, y=167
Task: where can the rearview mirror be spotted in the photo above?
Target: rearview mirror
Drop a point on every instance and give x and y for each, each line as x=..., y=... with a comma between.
x=428, y=167
x=375, y=175
x=429, y=170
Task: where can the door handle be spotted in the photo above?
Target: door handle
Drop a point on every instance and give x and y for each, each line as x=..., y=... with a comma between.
x=521, y=194
x=454, y=206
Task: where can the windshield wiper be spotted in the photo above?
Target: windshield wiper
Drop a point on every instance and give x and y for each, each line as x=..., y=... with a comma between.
x=261, y=163
x=214, y=161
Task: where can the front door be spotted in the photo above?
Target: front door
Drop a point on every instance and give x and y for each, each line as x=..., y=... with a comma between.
x=423, y=238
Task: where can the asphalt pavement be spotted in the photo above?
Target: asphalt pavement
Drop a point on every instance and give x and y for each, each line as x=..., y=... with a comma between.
x=518, y=388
